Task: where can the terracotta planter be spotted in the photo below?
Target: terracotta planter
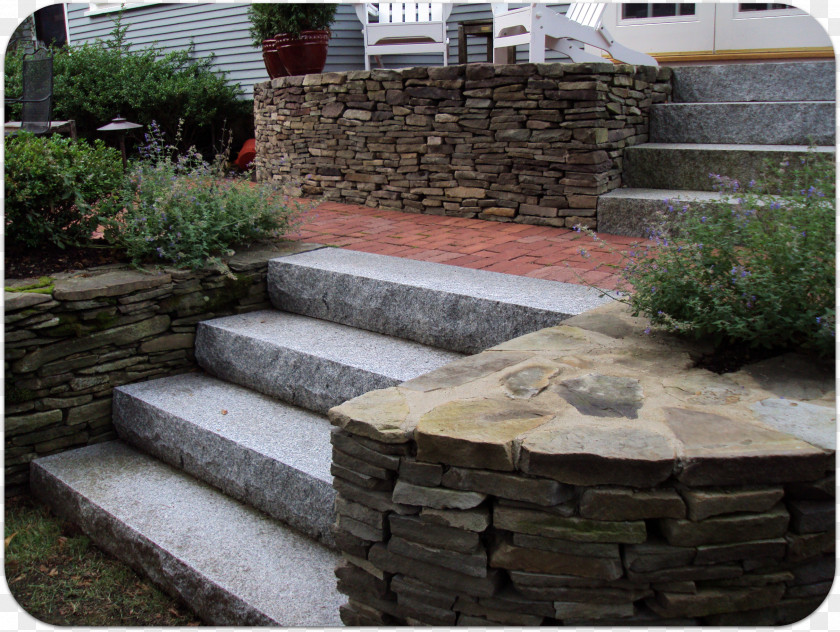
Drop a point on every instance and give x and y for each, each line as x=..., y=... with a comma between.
x=272, y=61
x=304, y=55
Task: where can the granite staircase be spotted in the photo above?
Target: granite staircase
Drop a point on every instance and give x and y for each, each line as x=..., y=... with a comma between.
x=728, y=120
x=220, y=487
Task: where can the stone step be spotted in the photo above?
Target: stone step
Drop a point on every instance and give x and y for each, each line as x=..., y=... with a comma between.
x=790, y=123
x=271, y=455
x=445, y=306
x=686, y=166
x=232, y=564
x=631, y=211
x=308, y=362
x=781, y=81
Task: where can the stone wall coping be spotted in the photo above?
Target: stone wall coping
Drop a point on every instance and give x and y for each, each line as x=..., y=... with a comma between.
x=595, y=401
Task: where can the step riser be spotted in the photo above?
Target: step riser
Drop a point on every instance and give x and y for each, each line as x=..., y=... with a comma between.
x=743, y=123
x=788, y=81
x=298, y=378
x=633, y=217
x=447, y=321
x=689, y=168
x=283, y=492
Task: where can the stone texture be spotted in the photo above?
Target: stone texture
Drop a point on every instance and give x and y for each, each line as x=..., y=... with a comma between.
x=435, y=497
x=603, y=395
x=508, y=556
x=727, y=529
x=604, y=503
x=575, y=529
x=424, y=531
x=711, y=601
x=477, y=519
x=138, y=509
x=815, y=424
x=537, y=491
x=114, y=283
x=704, y=503
x=13, y=301
x=379, y=415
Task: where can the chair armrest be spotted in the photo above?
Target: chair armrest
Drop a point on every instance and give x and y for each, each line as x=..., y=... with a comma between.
x=12, y=100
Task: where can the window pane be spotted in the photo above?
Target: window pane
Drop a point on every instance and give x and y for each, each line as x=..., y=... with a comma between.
x=764, y=6
x=664, y=10
x=634, y=10
x=687, y=9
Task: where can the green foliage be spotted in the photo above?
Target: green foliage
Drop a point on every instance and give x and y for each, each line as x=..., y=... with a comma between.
x=95, y=82
x=756, y=268
x=267, y=20
x=43, y=285
x=52, y=184
x=178, y=210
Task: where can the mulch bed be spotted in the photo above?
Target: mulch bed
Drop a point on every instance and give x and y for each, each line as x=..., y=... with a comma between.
x=34, y=263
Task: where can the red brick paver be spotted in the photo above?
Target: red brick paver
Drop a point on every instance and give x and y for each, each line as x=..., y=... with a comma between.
x=542, y=252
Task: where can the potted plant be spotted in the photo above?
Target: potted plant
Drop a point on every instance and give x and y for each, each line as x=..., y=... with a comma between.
x=297, y=33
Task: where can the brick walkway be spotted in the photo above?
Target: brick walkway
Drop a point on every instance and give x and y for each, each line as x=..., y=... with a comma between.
x=542, y=252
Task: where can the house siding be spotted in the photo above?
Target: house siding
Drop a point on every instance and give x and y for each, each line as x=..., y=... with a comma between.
x=222, y=29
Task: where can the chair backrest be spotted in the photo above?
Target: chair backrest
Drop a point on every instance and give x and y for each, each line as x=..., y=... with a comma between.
x=37, y=91
x=586, y=13
x=407, y=12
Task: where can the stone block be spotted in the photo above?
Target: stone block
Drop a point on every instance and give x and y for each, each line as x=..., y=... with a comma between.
x=168, y=343
x=419, y=473
x=473, y=563
x=435, y=497
x=349, y=445
x=507, y=556
x=113, y=283
x=537, y=491
x=592, y=611
x=810, y=516
x=621, y=503
x=375, y=499
x=477, y=519
x=425, y=532
x=21, y=424
x=715, y=601
x=726, y=529
x=704, y=503
x=656, y=556
x=574, y=529
x=715, y=554
x=589, y=549
x=802, y=547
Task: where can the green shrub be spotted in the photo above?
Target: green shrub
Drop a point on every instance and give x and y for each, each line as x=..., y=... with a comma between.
x=51, y=185
x=756, y=268
x=178, y=210
x=269, y=19
x=95, y=82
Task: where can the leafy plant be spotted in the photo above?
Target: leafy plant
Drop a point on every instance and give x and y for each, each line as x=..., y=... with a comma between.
x=269, y=19
x=179, y=210
x=756, y=268
x=94, y=82
x=52, y=184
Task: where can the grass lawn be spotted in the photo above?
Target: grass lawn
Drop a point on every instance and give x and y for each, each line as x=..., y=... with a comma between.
x=59, y=577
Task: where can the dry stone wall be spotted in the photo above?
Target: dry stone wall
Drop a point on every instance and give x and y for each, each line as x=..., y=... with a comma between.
x=529, y=143
x=65, y=350
x=587, y=474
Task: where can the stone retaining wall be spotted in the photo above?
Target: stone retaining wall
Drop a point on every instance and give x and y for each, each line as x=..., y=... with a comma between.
x=66, y=350
x=586, y=474
x=529, y=143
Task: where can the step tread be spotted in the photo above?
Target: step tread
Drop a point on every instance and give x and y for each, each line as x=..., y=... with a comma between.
x=484, y=284
x=377, y=353
x=731, y=147
x=231, y=563
x=636, y=193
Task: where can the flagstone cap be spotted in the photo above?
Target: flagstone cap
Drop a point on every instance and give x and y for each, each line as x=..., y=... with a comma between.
x=595, y=401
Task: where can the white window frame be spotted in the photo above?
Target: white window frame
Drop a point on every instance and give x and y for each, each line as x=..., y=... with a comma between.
x=622, y=21
x=766, y=13
x=100, y=8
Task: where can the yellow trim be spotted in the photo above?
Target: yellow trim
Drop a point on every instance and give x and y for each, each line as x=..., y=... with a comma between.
x=754, y=53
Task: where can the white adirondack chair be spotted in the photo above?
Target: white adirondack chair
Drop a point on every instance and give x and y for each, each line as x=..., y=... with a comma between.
x=543, y=28
x=404, y=28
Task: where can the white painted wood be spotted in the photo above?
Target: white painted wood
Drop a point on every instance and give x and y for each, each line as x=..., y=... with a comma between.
x=400, y=27
x=758, y=30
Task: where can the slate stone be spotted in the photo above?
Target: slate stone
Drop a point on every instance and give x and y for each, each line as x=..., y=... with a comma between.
x=379, y=415
x=477, y=433
x=350, y=574
x=435, y=575
x=358, y=466
x=574, y=529
x=421, y=591
x=537, y=491
x=589, y=549
x=528, y=380
x=592, y=611
x=656, y=556
x=435, y=497
x=808, y=516
x=359, y=529
x=688, y=574
x=114, y=283
x=603, y=395
x=419, y=473
x=473, y=564
x=621, y=503
x=815, y=424
x=348, y=445
x=14, y=301
x=168, y=343
x=715, y=601
x=704, y=503
x=464, y=370
x=494, y=616
x=477, y=519
x=425, y=613
x=727, y=529
x=375, y=499
x=802, y=547
x=722, y=451
x=423, y=531
x=714, y=554
x=360, y=513
x=792, y=376
x=20, y=424
x=623, y=452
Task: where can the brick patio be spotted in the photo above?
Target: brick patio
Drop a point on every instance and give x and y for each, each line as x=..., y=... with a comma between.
x=541, y=252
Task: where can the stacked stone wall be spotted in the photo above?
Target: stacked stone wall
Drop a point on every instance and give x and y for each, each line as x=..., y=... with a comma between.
x=570, y=478
x=528, y=143
x=66, y=349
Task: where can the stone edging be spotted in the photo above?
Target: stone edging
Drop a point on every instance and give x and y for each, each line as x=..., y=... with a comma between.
x=587, y=474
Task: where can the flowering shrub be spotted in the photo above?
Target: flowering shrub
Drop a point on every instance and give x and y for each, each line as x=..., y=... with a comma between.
x=179, y=210
x=51, y=183
x=755, y=268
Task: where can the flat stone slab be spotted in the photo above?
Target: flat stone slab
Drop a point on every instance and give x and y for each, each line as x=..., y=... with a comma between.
x=274, y=456
x=599, y=402
x=441, y=305
x=13, y=301
x=113, y=283
x=230, y=563
x=308, y=362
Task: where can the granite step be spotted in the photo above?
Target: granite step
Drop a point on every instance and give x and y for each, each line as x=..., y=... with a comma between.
x=231, y=564
x=687, y=166
x=308, y=362
x=445, y=306
x=768, y=123
x=776, y=81
x=630, y=211
x=271, y=455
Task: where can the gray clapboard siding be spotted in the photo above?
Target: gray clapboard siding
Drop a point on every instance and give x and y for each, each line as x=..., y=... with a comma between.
x=222, y=29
